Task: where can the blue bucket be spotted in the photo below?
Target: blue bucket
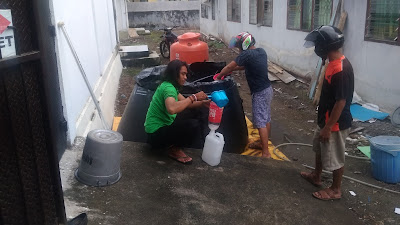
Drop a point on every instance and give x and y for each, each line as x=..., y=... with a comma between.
x=220, y=98
x=385, y=158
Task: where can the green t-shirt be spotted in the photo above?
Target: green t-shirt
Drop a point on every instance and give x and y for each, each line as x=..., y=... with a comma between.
x=157, y=114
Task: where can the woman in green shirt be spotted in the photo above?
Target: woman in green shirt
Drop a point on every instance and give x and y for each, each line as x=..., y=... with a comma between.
x=160, y=125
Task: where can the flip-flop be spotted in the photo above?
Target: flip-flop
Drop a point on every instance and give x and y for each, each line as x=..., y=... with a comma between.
x=325, y=196
x=307, y=177
x=181, y=157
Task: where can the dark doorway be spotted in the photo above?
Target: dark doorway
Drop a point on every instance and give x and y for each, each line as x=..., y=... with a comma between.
x=32, y=128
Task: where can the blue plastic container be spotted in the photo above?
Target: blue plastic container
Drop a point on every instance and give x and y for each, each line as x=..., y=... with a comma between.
x=220, y=98
x=385, y=158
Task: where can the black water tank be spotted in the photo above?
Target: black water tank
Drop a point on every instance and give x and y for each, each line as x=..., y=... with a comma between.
x=132, y=122
x=233, y=125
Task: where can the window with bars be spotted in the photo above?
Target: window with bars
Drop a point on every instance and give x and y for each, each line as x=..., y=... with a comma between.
x=383, y=21
x=204, y=11
x=213, y=6
x=322, y=13
x=233, y=10
x=260, y=15
x=308, y=14
x=267, y=13
x=253, y=11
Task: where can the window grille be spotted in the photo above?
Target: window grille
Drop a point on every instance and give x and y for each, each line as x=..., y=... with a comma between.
x=213, y=6
x=233, y=10
x=308, y=14
x=268, y=13
x=383, y=20
x=253, y=12
x=262, y=16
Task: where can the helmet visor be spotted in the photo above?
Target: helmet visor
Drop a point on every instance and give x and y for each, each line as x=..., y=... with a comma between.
x=309, y=44
x=312, y=38
x=233, y=42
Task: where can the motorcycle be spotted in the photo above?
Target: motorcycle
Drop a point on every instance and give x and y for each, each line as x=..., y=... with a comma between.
x=168, y=38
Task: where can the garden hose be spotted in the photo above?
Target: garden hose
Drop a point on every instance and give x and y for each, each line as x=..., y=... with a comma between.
x=349, y=178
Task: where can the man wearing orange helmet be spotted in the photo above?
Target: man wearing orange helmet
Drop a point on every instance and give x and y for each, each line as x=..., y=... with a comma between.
x=254, y=61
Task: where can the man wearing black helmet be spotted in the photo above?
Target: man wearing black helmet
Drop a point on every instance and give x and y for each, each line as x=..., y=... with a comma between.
x=334, y=117
x=254, y=61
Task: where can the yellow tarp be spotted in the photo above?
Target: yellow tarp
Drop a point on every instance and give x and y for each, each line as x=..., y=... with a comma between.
x=254, y=136
x=116, y=123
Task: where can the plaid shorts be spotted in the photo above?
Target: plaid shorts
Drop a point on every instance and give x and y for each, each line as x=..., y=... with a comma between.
x=261, y=104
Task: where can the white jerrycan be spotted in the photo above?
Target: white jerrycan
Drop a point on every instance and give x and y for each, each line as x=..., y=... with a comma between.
x=213, y=147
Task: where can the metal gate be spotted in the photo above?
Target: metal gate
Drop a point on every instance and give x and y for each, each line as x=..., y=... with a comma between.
x=31, y=130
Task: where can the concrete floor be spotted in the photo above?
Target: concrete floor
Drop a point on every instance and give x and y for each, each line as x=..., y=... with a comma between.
x=241, y=190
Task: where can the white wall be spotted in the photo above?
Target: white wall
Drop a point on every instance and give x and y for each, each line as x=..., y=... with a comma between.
x=208, y=25
x=155, y=15
x=91, y=27
x=162, y=6
x=283, y=46
x=122, y=14
x=377, y=78
x=376, y=65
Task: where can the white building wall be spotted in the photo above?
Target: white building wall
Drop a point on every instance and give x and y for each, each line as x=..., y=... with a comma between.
x=155, y=15
x=376, y=75
x=208, y=25
x=105, y=29
x=283, y=46
x=122, y=14
x=91, y=27
x=376, y=65
x=162, y=6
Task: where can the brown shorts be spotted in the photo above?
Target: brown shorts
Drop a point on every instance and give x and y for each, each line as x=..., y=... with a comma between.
x=333, y=152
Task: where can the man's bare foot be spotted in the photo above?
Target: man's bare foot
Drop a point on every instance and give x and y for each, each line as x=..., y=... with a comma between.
x=255, y=145
x=312, y=178
x=266, y=154
x=178, y=155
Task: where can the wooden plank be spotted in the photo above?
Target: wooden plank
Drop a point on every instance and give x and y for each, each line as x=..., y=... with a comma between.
x=342, y=20
x=315, y=79
x=279, y=69
x=302, y=80
x=352, y=131
x=272, y=70
x=319, y=88
x=285, y=77
x=272, y=77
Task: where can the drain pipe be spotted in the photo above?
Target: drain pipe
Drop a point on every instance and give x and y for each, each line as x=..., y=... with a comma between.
x=62, y=26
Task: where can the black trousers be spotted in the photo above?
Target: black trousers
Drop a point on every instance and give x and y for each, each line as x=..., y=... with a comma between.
x=181, y=133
